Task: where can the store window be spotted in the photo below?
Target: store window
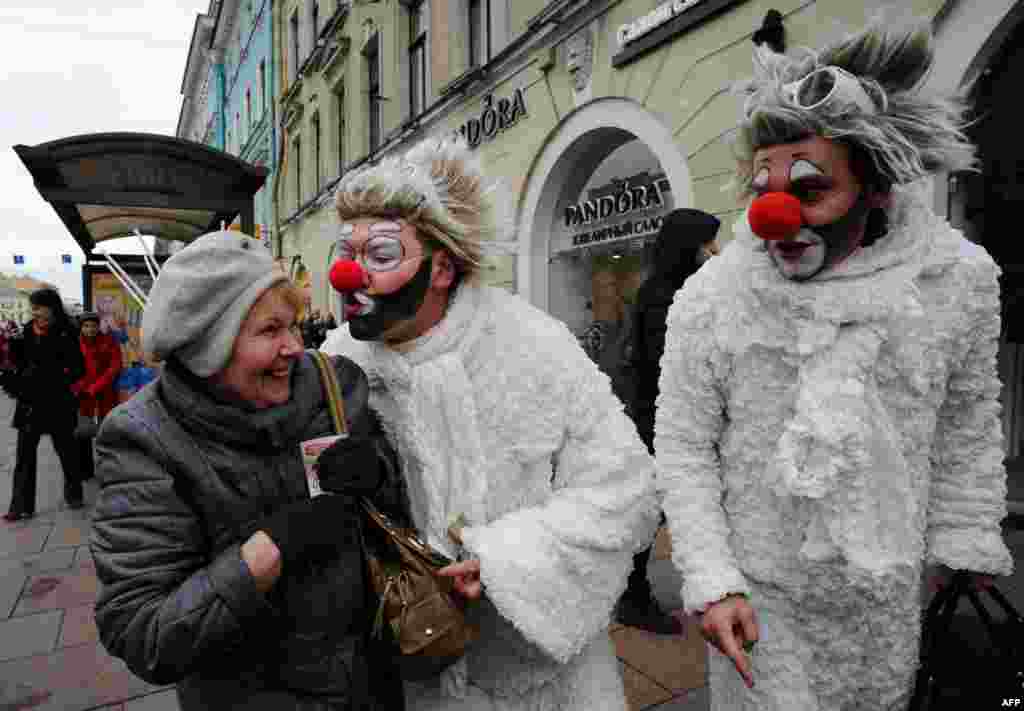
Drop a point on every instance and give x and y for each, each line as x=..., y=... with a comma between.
x=601, y=248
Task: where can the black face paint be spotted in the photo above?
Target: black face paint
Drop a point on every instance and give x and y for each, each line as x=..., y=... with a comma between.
x=840, y=235
x=391, y=308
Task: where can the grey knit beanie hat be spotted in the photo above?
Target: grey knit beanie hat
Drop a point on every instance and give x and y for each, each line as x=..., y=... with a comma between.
x=203, y=294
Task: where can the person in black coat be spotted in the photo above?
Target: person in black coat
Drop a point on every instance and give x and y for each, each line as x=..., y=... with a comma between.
x=686, y=240
x=47, y=363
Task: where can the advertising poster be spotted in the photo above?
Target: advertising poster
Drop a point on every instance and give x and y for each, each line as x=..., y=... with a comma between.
x=119, y=314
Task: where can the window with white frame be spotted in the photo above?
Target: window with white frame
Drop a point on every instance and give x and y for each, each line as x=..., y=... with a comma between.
x=315, y=126
x=314, y=22
x=479, y=32
x=262, y=87
x=374, y=128
x=339, y=103
x=419, y=20
x=297, y=158
x=293, y=50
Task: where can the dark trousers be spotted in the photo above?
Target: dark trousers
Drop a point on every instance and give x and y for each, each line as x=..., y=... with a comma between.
x=86, y=461
x=23, y=498
x=638, y=588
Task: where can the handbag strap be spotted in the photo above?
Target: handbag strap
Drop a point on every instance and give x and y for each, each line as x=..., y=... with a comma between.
x=332, y=391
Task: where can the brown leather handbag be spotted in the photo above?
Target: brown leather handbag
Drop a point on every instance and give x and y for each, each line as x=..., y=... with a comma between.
x=425, y=619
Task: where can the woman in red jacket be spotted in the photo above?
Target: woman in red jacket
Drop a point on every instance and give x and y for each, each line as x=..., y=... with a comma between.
x=95, y=390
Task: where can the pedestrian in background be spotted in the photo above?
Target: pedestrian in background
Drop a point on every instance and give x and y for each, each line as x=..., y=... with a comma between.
x=220, y=573
x=95, y=390
x=8, y=332
x=685, y=241
x=47, y=362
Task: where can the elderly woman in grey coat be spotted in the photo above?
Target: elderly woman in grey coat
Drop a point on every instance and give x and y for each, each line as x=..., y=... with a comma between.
x=220, y=572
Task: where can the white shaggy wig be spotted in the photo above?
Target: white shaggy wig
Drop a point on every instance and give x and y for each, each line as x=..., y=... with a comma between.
x=912, y=134
x=439, y=187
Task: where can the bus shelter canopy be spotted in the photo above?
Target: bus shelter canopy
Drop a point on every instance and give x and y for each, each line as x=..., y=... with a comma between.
x=107, y=185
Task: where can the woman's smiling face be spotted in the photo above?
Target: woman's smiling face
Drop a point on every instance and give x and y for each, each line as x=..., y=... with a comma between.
x=259, y=372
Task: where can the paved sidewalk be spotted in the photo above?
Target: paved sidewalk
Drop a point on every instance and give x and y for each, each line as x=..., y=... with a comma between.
x=51, y=659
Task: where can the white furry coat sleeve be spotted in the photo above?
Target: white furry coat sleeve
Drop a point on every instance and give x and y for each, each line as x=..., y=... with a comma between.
x=689, y=424
x=555, y=569
x=968, y=487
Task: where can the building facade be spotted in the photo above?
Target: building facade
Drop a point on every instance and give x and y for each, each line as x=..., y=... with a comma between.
x=228, y=91
x=600, y=117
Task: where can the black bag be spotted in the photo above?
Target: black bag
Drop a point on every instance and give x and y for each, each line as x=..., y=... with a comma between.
x=950, y=679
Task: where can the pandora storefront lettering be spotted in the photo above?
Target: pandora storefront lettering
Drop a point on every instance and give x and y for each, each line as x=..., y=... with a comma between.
x=629, y=199
x=495, y=118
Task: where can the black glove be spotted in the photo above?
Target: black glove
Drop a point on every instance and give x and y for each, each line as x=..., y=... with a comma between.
x=313, y=529
x=351, y=466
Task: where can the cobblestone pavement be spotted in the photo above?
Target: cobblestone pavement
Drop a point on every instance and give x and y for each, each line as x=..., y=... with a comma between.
x=50, y=656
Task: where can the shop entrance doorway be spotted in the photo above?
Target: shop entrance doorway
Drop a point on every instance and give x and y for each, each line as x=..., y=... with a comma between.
x=986, y=205
x=604, y=176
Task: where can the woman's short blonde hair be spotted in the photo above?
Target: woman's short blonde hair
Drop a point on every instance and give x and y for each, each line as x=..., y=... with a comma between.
x=439, y=187
x=290, y=294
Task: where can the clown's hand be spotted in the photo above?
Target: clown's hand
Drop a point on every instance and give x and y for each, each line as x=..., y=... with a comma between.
x=731, y=626
x=466, y=578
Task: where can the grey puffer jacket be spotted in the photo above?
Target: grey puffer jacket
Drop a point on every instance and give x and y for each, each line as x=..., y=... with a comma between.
x=184, y=479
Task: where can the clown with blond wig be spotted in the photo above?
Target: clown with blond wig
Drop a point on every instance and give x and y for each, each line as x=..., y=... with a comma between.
x=519, y=461
x=828, y=425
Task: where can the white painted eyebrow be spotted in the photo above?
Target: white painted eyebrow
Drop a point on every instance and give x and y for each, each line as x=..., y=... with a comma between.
x=385, y=227
x=804, y=169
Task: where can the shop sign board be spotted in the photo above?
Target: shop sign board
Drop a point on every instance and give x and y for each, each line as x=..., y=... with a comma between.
x=654, y=19
x=602, y=211
x=665, y=22
x=645, y=227
x=496, y=117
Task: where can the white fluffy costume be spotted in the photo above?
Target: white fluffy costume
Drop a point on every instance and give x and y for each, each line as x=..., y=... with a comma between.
x=498, y=414
x=819, y=442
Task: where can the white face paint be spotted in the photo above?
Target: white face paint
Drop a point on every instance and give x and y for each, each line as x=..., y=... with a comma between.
x=803, y=169
x=800, y=257
x=760, y=182
x=803, y=255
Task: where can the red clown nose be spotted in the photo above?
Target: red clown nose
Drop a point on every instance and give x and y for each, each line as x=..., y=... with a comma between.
x=775, y=216
x=346, y=276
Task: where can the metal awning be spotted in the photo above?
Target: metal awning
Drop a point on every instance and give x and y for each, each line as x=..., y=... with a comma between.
x=107, y=185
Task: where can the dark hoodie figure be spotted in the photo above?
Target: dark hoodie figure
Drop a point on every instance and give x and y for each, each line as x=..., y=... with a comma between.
x=686, y=240
x=48, y=362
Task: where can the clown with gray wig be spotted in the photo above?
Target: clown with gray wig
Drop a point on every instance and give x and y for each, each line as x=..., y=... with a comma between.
x=519, y=460
x=828, y=428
